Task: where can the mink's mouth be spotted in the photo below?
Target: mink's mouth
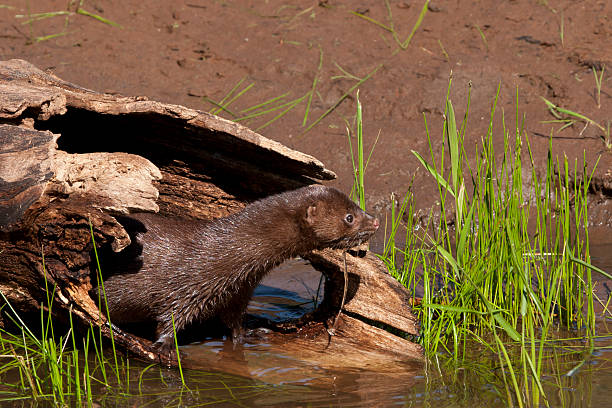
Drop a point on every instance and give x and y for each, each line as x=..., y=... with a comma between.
x=354, y=240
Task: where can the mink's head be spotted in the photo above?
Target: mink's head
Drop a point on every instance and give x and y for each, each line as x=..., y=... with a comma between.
x=335, y=221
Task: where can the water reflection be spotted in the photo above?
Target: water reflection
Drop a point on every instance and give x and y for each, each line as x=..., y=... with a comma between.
x=287, y=293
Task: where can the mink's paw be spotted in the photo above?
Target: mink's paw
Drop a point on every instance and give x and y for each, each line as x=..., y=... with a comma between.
x=165, y=349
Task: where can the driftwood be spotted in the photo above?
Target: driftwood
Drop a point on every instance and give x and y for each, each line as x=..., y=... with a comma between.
x=59, y=183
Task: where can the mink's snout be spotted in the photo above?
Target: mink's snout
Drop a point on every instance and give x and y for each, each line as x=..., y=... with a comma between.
x=375, y=223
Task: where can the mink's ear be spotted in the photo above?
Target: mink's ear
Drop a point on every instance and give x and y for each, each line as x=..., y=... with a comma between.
x=311, y=213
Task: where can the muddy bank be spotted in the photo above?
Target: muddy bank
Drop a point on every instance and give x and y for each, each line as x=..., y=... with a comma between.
x=195, y=52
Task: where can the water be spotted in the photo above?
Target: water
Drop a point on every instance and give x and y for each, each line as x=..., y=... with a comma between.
x=572, y=380
x=261, y=374
x=289, y=292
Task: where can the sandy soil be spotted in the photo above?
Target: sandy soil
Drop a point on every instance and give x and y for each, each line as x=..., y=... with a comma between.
x=189, y=52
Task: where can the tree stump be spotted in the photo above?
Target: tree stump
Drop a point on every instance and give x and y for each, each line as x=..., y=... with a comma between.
x=72, y=160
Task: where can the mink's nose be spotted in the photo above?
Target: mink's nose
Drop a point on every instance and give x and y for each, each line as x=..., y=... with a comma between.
x=376, y=223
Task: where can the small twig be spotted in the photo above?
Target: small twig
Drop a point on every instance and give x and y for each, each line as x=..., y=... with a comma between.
x=332, y=331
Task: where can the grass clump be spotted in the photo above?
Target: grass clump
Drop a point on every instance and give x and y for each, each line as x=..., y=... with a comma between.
x=279, y=106
x=47, y=363
x=390, y=26
x=508, y=262
x=490, y=263
x=39, y=366
x=568, y=118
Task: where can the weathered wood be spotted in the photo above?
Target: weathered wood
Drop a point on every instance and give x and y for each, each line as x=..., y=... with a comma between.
x=59, y=185
x=355, y=343
x=25, y=169
x=371, y=294
x=25, y=91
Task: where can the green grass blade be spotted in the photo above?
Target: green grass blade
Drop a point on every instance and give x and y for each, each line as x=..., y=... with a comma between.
x=101, y=285
x=439, y=179
x=371, y=20
x=454, y=309
x=50, y=36
x=273, y=109
x=221, y=104
x=588, y=265
x=238, y=95
x=283, y=113
x=178, y=354
x=345, y=73
x=219, y=107
x=554, y=109
x=465, y=230
x=339, y=101
x=453, y=143
x=416, y=26
x=21, y=322
x=266, y=103
x=97, y=17
x=360, y=159
x=504, y=353
x=41, y=16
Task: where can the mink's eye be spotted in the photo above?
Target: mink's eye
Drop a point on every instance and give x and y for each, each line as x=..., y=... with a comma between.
x=349, y=218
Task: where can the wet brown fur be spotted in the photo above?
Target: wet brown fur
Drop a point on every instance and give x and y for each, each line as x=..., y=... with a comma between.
x=197, y=270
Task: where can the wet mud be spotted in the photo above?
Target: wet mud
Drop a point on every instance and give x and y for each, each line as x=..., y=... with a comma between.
x=194, y=53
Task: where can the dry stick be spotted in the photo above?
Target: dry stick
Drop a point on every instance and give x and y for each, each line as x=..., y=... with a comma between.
x=332, y=330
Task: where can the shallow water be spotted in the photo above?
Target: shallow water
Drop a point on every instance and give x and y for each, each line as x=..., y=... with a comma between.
x=259, y=374
x=291, y=291
x=288, y=292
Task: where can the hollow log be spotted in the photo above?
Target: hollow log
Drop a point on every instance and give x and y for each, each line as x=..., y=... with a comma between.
x=72, y=160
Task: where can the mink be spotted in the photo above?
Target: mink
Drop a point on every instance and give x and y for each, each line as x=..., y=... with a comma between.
x=193, y=271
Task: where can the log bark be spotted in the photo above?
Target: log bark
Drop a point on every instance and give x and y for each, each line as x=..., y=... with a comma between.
x=60, y=186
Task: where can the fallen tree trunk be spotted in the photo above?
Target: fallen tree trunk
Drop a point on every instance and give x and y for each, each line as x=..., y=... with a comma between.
x=59, y=186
